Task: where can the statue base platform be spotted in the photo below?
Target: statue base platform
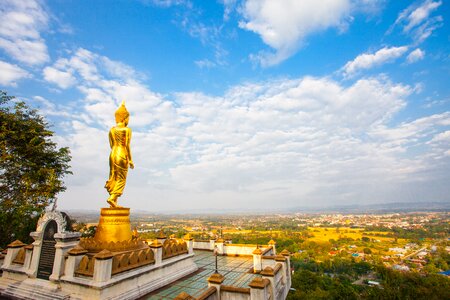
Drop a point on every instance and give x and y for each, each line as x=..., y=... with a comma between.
x=132, y=284
x=113, y=232
x=130, y=270
x=114, y=225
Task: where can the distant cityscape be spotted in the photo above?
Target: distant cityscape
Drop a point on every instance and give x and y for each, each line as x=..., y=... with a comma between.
x=402, y=241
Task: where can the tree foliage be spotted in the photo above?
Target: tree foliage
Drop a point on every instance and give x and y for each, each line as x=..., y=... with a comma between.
x=31, y=168
x=333, y=280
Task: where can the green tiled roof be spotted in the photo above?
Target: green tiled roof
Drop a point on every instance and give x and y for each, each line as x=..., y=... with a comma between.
x=235, y=269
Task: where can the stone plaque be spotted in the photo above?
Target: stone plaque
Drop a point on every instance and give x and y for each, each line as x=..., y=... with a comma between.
x=47, y=256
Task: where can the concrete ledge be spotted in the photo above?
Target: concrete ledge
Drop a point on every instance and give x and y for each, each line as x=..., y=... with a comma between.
x=234, y=289
x=131, y=284
x=210, y=291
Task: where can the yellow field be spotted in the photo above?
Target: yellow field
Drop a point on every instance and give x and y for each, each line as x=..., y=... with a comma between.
x=322, y=234
x=267, y=232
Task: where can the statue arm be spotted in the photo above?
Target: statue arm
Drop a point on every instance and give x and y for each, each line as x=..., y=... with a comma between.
x=110, y=139
x=130, y=160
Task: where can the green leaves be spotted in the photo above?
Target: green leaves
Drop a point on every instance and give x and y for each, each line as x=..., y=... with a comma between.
x=31, y=168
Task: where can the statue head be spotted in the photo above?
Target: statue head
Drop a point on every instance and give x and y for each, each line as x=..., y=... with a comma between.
x=122, y=113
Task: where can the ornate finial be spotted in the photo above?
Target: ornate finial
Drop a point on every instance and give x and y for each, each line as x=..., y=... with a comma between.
x=161, y=235
x=257, y=251
x=121, y=113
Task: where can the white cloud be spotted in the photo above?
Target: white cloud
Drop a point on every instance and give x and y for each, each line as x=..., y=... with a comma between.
x=417, y=21
x=229, y=6
x=442, y=137
x=167, y=3
x=49, y=108
x=414, y=17
x=192, y=20
x=205, y=63
x=104, y=83
x=425, y=30
x=284, y=25
x=22, y=22
x=209, y=35
x=10, y=74
x=62, y=79
x=119, y=70
x=367, y=60
x=279, y=143
x=87, y=65
x=415, y=56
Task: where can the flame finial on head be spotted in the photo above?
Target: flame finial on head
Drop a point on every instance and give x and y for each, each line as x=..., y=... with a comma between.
x=121, y=113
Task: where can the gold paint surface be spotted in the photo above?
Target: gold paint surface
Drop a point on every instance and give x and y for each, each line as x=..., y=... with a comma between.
x=114, y=225
x=131, y=260
x=173, y=247
x=120, y=156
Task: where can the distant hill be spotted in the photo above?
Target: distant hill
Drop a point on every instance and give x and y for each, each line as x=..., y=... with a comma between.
x=378, y=208
x=397, y=207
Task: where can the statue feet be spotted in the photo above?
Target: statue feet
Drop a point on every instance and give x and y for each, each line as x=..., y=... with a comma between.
x=112, y=201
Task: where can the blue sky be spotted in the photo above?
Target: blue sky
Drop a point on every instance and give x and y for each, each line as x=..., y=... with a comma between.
x=241, y=105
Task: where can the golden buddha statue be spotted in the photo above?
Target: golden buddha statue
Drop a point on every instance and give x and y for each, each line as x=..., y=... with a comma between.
x=120, y=157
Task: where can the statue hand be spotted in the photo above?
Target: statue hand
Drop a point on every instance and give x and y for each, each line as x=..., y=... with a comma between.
x=131, y=164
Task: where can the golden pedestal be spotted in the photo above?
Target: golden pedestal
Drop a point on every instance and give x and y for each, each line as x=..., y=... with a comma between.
x=113, y=232
x=114, y=225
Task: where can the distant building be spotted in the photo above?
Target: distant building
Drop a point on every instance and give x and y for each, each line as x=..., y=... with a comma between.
x=422, y=253
x=397, y=250
x=400, y=268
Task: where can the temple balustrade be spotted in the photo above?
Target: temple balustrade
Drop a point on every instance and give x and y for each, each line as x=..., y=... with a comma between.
x=232, y=249
x=86, y=266
x=20, y=257
x=122, y=261
x=173, y=247
x=133, y=259
x=17, y=257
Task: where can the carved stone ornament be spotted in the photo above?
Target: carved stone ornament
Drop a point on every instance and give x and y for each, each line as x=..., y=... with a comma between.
x=59, y=218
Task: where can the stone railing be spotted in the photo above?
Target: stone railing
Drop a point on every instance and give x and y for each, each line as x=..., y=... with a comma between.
x=202, y=245
x=173, y=248
x=232, y=292
x=86, y=266
x=130, y=260
x=25, y=259
x=268, y=251
x=209, y=294
x=126, y=274
x=233, y=249
x=20, y=257
x=2, y=258
x=121, y=262
x=279, y=281
x=102, y=266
